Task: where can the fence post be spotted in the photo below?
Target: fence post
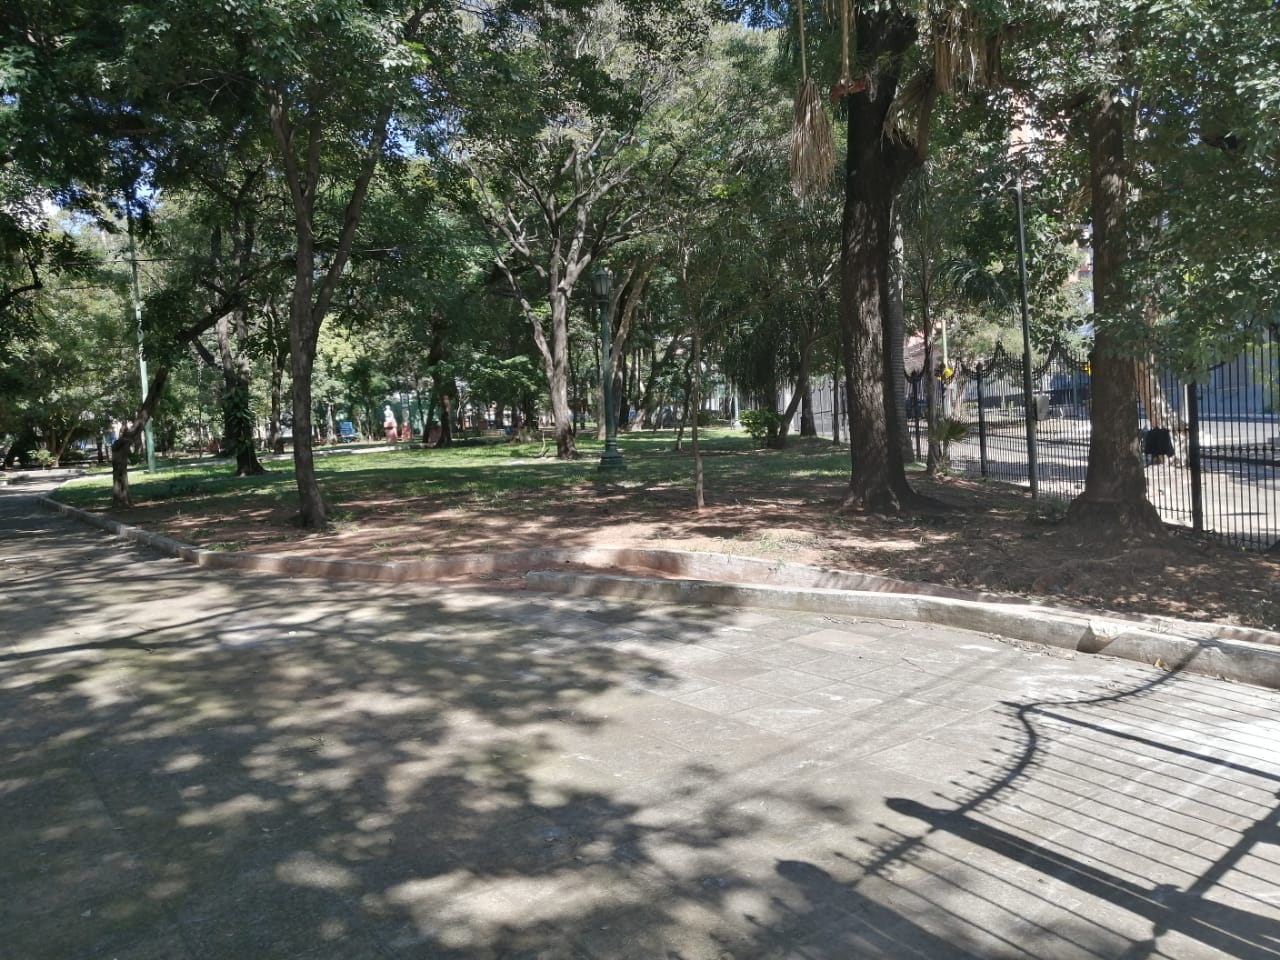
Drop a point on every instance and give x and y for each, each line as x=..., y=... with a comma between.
x=982, y=427
x=1193, y=456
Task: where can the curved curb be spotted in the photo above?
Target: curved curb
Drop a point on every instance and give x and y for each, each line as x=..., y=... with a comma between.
x=1230, y=659
x=1241, y=654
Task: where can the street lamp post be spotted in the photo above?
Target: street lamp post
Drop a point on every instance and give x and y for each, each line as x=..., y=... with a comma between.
x=602, y=287
x=148, y=435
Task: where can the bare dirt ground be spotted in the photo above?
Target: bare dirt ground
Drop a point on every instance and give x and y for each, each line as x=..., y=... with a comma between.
x=990, y=539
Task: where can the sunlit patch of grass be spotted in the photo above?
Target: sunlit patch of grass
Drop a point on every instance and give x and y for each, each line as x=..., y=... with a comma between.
x=481, y=476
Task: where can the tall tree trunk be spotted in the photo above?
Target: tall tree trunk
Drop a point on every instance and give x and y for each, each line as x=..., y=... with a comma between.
x=237, y=416
x=876, y=166
x=303, y=336
x=835, y=404
x=684, y=413
x=649, y=400
x=865, y=255
x=279, y=356
x=300, y=147
x=442, y=388
x=275, y=435
x=797, y=397
x=808, y=427
x=555, y=361
x=695, y=402
x=123, y=445
x=1114, y=500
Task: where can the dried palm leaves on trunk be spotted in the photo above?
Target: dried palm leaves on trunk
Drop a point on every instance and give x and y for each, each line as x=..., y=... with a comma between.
x=812, y=148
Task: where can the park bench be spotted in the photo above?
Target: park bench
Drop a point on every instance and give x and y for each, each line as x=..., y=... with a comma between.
x=347, y=432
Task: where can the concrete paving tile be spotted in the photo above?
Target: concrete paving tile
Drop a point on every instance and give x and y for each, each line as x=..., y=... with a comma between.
x=487, y=784
x=666, y=683
x=841, y=698
x=735, y=641
x=729, y=669
x=901, y=680
x=724, y=742
x=785, y=718
x=786, y=654
x=944, y=761
x=837, y=640
x=651, y=713
x=266, y=919
x=893, y=723
x=724, y=699
x=630, y=767
x=355, y=946
x=783, y=682
x=840, y=666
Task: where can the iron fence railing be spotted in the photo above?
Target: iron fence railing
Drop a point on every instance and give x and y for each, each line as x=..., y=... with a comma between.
x=1211, y=448
x=1222, y=476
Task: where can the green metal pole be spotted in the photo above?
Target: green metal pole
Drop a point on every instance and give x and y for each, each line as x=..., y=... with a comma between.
x=147, y=435
x=611, y=461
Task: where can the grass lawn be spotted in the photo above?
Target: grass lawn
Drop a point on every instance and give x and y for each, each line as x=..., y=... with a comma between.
x=475, y=473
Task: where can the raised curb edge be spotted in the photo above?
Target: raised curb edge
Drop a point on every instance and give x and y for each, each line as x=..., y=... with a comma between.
x=1233, y=653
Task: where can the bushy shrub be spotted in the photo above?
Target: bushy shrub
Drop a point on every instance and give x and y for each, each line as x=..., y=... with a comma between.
x=762, y=425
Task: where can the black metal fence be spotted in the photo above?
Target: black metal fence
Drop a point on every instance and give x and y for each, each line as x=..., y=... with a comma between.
x=1212, y=447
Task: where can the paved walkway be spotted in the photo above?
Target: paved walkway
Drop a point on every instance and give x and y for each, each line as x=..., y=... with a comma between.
x=217, y=765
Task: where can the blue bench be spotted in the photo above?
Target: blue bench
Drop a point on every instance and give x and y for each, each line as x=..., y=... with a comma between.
x=347, y=432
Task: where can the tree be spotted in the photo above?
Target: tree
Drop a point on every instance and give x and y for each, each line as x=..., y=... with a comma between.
x=1160, y=93
x=63, y=373
x=331, y=91
x=896, y=60
x=574, y=160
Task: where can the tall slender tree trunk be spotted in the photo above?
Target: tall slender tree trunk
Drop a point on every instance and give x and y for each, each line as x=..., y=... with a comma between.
x=122, y=446
x=650, y=399
x=797, y=398
x=237, y=416
x=555, y=361
x=878, y=477
x=275, y=438
x=1114, y=500
x=695, y=402
x=835, y=404
x=876, y=166
x=303, y=337
x=808, y=427
x=279, y=356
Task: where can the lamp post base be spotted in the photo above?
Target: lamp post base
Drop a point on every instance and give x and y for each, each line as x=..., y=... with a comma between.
x=611, y=462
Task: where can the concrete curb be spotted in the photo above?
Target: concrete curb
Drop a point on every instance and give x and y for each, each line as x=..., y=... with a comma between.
x=1235, y=653
x=1230, y=659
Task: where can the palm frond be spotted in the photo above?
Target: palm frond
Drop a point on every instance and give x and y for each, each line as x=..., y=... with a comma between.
x=965, y=53
x=812, y=147
x=907, y=106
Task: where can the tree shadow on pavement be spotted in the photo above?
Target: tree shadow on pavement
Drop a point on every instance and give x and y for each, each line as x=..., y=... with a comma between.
x=202, y=765
x=1142, y=823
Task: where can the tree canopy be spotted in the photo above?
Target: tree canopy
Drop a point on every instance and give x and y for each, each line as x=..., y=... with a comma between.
x=439, y=181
